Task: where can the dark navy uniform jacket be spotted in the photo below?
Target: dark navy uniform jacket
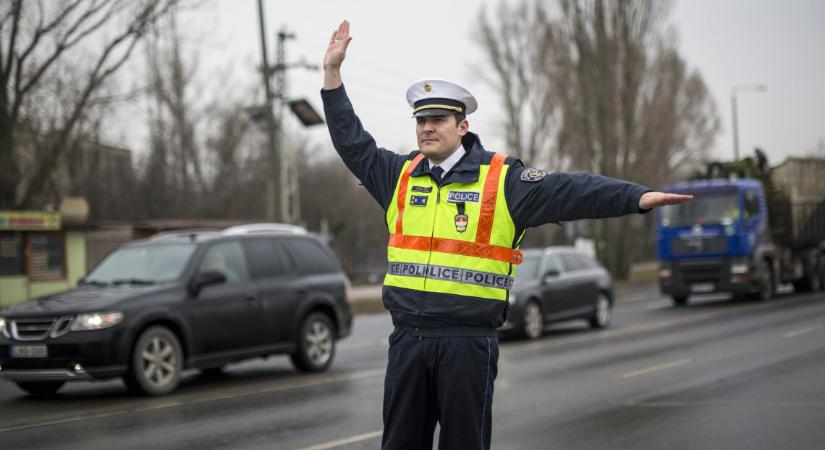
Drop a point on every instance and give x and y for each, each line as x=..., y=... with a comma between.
x=555, y=197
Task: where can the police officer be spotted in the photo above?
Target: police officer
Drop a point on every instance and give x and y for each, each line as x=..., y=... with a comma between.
x=456, y=214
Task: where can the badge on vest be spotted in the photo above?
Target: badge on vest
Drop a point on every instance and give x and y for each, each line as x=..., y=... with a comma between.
x=422, y=189
x=461, y=222
x=463, y=196
x=418, y=200
x=533, y=175
x=461, y=219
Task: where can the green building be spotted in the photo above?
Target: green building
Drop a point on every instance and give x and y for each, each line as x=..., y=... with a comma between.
x=38, y=255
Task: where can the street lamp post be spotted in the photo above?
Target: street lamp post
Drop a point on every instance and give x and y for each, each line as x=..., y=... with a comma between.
x=734, y=119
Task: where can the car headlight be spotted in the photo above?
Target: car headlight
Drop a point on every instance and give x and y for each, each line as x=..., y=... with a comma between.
x=96, y=321
x=512, y=298
x=739, y=268
x=3, y=327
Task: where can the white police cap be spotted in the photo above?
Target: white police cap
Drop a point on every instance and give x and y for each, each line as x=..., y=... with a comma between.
x=437, y=97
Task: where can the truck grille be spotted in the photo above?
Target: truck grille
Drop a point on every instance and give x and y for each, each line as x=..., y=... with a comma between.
x=692, y=246
x=702, y=271
x=39, y=328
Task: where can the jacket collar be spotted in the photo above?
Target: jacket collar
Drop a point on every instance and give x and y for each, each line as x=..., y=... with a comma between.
x=466, y=169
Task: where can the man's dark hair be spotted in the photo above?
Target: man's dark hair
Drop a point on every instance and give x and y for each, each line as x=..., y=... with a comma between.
x=458, y=118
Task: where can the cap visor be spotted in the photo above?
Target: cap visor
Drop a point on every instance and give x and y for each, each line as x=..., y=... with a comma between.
x=433, y=112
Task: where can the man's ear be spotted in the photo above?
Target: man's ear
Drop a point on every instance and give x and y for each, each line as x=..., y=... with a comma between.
x=463, y=127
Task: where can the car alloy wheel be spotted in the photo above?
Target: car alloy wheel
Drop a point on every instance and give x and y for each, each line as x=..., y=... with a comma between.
x=533, y=320
x=316, y=346
x=157, y=362
x=603, y=313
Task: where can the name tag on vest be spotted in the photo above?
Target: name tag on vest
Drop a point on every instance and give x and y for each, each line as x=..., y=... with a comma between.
x=463, y=196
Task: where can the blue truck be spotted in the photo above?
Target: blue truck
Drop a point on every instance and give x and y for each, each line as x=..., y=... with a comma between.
x=748, y=229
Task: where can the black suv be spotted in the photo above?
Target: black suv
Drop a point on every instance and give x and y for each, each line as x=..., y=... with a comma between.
x=186, y=299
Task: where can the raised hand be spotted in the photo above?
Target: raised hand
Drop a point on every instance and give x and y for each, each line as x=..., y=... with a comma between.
x=655, y=199
x=334, y=57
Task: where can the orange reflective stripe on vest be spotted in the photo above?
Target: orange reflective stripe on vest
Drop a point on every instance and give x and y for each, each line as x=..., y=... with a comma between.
x=402, y=192
x=488, y=200
x=478, y=250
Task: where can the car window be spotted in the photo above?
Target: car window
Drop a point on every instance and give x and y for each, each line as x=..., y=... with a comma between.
x=571, y=262
x=309, y=256
x=227, y=258
x=529, y=268
x=157, y=263
x=585, y=261
x=552, y=262
x=266, y=258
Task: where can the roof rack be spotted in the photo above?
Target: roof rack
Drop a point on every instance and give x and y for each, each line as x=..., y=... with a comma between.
x=264, y=228
x=190, y=233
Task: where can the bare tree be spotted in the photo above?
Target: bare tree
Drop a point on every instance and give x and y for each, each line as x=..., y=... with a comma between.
x=35, y=38
x=175, y=111
x=626, y=103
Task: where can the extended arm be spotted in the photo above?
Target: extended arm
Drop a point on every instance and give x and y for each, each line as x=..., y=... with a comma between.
x=547, y=198
x=376, y=168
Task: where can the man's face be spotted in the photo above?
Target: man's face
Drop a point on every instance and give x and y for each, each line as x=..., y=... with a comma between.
x=439, y=136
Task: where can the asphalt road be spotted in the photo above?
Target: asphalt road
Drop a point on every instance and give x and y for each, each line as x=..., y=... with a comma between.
x=717, y=374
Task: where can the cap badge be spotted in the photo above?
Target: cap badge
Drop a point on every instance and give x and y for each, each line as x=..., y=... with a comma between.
x=427, y=87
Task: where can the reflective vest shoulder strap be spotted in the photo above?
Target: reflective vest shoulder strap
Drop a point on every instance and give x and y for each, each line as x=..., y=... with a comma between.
x=402, y=192
x=488, y=199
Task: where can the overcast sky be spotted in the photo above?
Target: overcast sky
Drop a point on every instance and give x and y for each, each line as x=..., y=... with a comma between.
x=731, y=42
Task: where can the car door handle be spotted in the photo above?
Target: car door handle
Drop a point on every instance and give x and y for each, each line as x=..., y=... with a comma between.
x=251, y=298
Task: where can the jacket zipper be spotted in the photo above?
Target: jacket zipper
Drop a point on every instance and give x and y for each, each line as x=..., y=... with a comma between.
x=432, y=234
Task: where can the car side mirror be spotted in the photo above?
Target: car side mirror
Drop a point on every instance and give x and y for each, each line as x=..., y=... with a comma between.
x=550, y=273
x=204, y=279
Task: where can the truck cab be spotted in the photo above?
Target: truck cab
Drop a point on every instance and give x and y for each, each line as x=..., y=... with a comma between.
x=719, y=242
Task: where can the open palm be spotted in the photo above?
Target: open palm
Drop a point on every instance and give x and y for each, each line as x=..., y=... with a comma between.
x=337, y=49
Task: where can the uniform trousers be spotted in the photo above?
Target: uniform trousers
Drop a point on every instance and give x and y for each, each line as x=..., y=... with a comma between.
x=444, y=380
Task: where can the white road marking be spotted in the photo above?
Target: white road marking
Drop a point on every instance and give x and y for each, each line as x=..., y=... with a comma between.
x=345, y=441
x=190, y=400
x=656, y=368
x=793, y=333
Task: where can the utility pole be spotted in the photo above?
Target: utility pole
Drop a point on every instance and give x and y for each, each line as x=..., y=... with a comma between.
x=273, y=213
x=290, y=193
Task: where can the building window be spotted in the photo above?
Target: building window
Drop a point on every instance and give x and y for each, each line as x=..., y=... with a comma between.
x=12, y=261
x=47, y=256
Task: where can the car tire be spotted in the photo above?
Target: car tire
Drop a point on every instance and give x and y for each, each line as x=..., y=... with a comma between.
x=316, y=344
x=532, y=321
x=40, y=388
x=156, y=363
x=680, y=300
x=602, y=312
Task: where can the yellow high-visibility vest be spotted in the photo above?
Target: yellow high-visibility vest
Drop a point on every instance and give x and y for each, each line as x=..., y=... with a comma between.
x=456, y=239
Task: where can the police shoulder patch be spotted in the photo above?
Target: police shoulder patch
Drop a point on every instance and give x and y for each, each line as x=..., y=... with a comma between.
x=532, y=174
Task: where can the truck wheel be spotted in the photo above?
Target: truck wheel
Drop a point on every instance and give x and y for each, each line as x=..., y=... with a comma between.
x=680, y=300
x=156, y=364
x=316, y=344
x=40, y=388
x=767, y=285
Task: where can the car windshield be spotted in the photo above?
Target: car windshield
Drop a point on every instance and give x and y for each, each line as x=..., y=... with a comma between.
x=702, y=210
x=528, y=269
x=142, y=264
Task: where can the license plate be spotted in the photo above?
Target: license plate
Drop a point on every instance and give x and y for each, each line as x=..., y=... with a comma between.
x=701, y=287
x=29, y=351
